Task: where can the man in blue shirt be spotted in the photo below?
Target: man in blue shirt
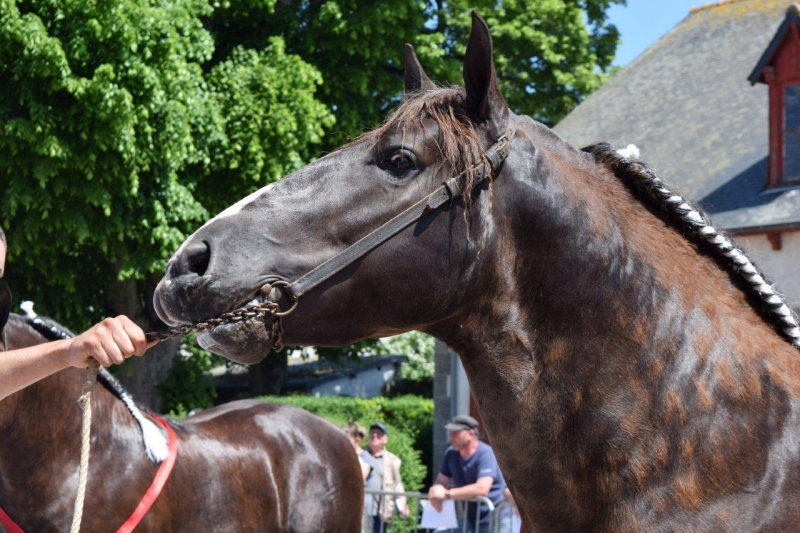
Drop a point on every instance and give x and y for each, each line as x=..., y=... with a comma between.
x=469, y=470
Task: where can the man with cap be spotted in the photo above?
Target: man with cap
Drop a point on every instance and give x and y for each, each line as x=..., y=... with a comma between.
x=469, y=470
x=385, y=476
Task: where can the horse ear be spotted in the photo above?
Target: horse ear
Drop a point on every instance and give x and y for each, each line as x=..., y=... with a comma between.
x=485, y=102
x=415, y=77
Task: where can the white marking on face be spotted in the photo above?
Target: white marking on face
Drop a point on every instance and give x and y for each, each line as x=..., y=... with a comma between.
x=230, y=211
x=238, y=206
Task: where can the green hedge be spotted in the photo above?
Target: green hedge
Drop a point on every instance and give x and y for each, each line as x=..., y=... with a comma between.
x=409, y=420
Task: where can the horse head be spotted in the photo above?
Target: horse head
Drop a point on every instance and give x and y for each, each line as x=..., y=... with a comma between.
x=407, y=281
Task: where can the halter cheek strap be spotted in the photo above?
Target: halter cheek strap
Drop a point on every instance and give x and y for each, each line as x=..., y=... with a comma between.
x=449, y=190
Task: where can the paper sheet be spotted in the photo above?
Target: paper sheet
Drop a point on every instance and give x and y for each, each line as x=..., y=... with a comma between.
x=431, y=519
x=516, y=523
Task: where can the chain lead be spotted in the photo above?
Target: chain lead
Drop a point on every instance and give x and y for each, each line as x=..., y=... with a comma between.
x=238, y=315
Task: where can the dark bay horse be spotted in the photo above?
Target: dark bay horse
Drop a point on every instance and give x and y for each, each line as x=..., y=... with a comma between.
x=243, y=466
x=628, y=360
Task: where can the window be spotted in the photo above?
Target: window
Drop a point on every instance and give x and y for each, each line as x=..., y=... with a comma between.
x=791, y=133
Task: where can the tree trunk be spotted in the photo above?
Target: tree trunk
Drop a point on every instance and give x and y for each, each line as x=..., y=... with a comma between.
x=143, y=375
x=267, y=376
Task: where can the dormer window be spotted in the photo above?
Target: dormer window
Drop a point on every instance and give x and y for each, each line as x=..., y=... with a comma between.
x=779, y=68
x=791, y=134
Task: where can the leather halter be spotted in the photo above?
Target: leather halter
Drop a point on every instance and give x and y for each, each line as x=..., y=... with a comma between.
x=448, y=191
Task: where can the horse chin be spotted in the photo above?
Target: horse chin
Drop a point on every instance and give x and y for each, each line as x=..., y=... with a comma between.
x=245, y=342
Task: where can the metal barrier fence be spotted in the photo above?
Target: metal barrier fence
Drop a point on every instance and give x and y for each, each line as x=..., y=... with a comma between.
x=384, y=513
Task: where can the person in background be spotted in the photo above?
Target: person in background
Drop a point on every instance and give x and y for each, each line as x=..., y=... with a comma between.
x=469, y=470
x=516, y=520
x=385, y=476
x=355, y=433
x=108, y=342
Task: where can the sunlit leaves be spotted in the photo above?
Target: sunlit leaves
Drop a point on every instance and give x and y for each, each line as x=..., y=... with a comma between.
x=550, y=54
x=119, y=137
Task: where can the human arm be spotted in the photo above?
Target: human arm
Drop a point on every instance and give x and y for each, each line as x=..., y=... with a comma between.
x=480, y=488
x=109, y=342
x=439, y=492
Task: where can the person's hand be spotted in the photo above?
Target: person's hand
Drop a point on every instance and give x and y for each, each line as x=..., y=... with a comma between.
x=436, y=495
x=108, y=342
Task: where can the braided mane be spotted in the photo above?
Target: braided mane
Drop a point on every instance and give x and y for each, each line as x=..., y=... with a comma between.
x=694, y=224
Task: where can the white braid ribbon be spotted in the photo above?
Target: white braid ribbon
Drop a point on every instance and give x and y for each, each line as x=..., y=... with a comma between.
x=694, y=218
x=629, y=152
x=155, y=444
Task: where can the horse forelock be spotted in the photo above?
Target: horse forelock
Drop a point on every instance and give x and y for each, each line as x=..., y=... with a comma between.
x=458, y=142
x=693, y=223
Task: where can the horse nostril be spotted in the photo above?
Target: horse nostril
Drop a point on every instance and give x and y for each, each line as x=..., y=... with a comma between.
x=194, y=259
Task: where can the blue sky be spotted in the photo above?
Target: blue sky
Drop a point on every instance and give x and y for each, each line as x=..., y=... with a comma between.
x=642, y=22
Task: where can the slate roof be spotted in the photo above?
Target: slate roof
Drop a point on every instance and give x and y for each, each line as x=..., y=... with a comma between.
x=688, y=104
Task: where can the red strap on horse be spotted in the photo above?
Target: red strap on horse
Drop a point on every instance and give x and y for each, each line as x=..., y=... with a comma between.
x=9, y=524
x=162, y=475
x=147, y=500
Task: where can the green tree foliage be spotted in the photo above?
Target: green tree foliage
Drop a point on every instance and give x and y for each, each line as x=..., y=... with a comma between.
x=189, y=384
x=419, y=349
x=417, y=346
x=119, y=139
x=549, y=54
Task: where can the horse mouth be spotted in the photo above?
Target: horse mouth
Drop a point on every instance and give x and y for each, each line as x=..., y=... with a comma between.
x=246, y=341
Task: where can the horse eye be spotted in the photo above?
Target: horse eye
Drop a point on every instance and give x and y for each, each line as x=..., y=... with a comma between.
x=400, y=162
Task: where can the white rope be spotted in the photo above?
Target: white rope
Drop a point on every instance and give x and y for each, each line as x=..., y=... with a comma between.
x=741, y=264
x=85, y=402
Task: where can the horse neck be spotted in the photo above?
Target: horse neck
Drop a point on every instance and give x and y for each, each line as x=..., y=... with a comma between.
x=588, y=316
x=582, y=266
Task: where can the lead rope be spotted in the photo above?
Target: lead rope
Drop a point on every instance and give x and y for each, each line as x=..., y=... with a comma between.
x=85, y=402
